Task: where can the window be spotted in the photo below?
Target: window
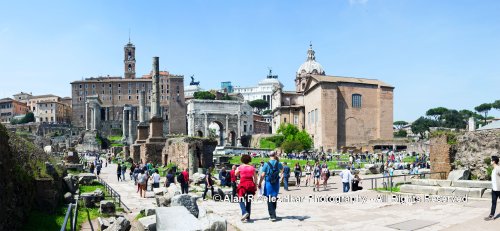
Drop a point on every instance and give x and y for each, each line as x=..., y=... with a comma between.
x=129, y=97
x=119, y=85
x=356, y=101
x=284, y=120
x=316, y=115
x=309, y=118
x=296, y=119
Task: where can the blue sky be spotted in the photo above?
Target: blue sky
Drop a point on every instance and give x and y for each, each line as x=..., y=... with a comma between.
x=436, y=53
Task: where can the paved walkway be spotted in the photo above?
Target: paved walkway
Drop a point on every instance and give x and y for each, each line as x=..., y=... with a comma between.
x=127, y=190
x=372, y=215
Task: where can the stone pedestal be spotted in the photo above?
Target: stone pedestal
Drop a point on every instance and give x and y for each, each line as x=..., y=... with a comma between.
x=152, y=152
x=142, y=133
x=126, y=152
x=135, y=153
x=156, y=130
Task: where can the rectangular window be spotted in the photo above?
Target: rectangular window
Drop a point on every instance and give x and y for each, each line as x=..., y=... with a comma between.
x=119, y=97
x=296, y=119
x=356, y=101
x=316, y=115
x=129, y=97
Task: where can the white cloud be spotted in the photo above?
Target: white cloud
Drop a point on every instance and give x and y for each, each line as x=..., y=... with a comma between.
x=353, y=2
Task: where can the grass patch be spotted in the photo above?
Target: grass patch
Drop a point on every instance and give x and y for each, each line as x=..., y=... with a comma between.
x=38, y=220
x=90, y=188
x=388, y=189
x=139, y=216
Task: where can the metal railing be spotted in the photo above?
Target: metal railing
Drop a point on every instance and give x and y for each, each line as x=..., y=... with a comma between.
x=114, y=194
x=388, y=181
x=71, y=216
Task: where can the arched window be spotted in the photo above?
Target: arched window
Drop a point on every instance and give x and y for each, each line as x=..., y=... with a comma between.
x=356, y=101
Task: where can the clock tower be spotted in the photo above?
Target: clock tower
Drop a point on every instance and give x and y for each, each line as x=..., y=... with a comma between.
x=129, y=60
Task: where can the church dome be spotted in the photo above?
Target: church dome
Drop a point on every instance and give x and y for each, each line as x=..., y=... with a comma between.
x=310, y=66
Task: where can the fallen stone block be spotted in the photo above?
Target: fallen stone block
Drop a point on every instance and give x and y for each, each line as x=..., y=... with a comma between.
x=175, y=218
x=446, y=191
x=459, y=175
x=107, y=207
x=159, y=191
x=86, y=178
x=213, y=222
x=103, y=223
x=121, y=224
x=147, y=223
x=186, y=201
x=431, y=182
x=470, y=192
x=419, y=189
x=472, y=184
x=148, y=211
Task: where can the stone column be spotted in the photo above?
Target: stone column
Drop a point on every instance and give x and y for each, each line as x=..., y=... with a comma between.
x=124, y=124
x=142, y=103
x=93, y=118
x=130, y=134
x=191, y=162
x=206, y=125
x=228, y=142
x=238, y=138
x=86, y=116
x=155, y=96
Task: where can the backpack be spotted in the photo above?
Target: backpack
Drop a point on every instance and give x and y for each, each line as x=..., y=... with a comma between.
x=273, y=174
x=180, y=178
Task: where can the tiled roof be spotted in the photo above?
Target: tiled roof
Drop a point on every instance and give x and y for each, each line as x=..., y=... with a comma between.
x=342, y=79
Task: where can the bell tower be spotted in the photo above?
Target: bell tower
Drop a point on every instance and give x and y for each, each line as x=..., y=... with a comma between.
x=129, y=60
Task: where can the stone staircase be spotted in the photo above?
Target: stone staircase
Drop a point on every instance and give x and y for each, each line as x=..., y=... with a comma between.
x=470, y=188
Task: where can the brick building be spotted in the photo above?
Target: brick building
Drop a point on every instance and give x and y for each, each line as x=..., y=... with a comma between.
x=336, y=111
x=261, y=126
x=10, y=108
x=114, y=92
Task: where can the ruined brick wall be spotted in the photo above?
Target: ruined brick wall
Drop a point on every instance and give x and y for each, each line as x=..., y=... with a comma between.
x=440, y=156
x=189, y=152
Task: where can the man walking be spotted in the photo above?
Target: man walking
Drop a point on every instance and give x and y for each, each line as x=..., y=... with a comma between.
x=119, y=172
x=156, y=179
x=346, y=178
x=271, y=172
x=209, y=184
x=495, y=188
x=286, y=176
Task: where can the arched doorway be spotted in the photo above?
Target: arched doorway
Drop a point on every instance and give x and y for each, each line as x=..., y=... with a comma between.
x=199, y=133
x=232, y=138
x=216, y=130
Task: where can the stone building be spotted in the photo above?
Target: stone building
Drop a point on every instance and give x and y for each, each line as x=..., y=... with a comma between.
x=115, y=92
x=52, y=112
x=228, y=120
x=263, y=90
x=9, y=108
x=336, y=111
x=261, y=126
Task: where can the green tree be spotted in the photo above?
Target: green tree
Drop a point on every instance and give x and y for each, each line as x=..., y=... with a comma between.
x=29, y=117
x=294, y=139
x=453, y=119
x=401, y=134
x=265, y=112
x=204, y=95
x=422, y=124
x=400, y=124
x=259, y=104
x=484, y=108
x=436, y=113
x=496, y=104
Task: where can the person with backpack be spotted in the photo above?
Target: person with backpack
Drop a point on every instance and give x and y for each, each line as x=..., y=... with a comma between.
x=209, y=183
x=271, y=173
x=317, y=176
x=286, y=176
x=170, y=178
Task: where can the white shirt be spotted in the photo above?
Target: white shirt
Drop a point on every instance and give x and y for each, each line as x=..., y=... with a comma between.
x=495, y=179
x=156, y=178
x=346, y=176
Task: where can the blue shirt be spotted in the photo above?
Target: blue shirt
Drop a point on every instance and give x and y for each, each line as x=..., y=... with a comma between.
x=271, y=189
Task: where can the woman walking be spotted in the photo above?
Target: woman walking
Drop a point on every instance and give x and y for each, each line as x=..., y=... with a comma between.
x=298, y=173
x=247, y=186
x=308, y=169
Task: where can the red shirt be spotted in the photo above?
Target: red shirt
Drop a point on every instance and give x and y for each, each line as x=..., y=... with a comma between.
x=233, y=175
x=186, y=176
